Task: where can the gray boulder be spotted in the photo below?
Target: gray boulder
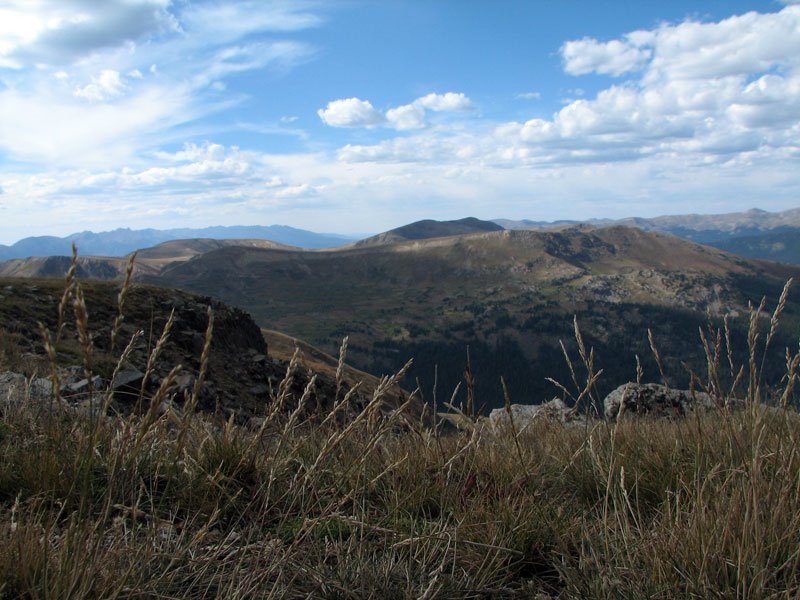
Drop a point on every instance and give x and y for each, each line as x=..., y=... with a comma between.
x=524, y=414
x=654, y=400
x=12, y=385
x=81, y=388
x=127, y=384
x=15, y=388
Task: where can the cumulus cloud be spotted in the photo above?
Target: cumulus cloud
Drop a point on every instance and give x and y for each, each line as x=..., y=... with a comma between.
x=689, y=99
x=107, y=84
x=350, y=112
x=354, y=112
x=610, y=58
x=445, y=102
x=408, y=116
x=703, y=91
x=741, y=46
x=193, y=152
x=738, y=45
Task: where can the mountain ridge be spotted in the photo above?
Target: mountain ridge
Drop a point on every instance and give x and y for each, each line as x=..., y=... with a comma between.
x=762, y=228
x=754, y=219
x=122, y=241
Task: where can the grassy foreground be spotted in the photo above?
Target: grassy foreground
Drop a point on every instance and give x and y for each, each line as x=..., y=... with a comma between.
x=168, y=504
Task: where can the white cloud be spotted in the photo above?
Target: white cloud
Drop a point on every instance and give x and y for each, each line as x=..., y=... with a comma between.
x=354, y=112
x=408, y=116
x=528, y=96
x=445, y=102
x=699, y=110
x=350, y=112
x=99, y=82
x=233, y=20
x=737, y=46
x=731, y=124
x=53, y=128
x=611, y=58
x=55, y=32
x=296, y=191
x=194, y=152
x=706, y=92
x=106, y=85
x=248, y=57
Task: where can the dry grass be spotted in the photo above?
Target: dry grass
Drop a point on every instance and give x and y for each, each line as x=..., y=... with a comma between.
x=167, y=505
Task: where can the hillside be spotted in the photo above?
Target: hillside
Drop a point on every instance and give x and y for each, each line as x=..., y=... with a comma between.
x=282, y=348
x=781, y=245
x=509, y=296
x=426, y=229
x=242, y=372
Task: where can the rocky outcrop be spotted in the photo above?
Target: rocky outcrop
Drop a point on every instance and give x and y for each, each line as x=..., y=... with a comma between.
x=648, y=399
x=654, y=400
x=241, y=375
x=525, y=414
x=15, y=387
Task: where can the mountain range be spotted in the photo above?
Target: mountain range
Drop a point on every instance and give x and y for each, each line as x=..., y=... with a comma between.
x=436, y=291
x=754, y=234
x=469, y=292
x=120, y=242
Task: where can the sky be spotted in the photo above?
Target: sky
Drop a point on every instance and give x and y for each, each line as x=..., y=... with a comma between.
x=356, y=116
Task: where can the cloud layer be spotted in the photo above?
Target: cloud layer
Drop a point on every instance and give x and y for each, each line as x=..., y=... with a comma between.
x=725, y=93
x=92, y=82
x=109, y=117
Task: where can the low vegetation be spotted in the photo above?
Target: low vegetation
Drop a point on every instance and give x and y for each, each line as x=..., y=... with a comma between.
x=186, y=504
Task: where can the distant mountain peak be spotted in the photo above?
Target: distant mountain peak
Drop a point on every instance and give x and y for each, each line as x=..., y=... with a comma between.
x=429, y=228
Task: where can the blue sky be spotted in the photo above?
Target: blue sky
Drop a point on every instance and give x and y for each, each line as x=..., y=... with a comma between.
x=359, y=116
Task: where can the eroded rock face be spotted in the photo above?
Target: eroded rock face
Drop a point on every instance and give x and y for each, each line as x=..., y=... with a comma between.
x=654, y=400
x=240, y=371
